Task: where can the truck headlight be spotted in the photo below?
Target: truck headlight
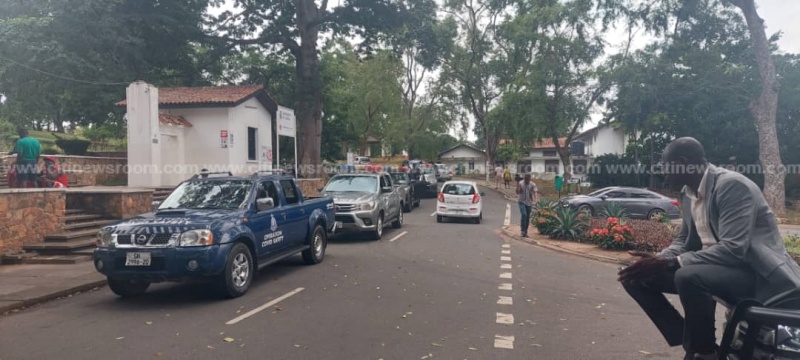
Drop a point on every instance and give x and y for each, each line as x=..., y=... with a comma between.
x=106, y=239
x=368, y=206
x=196, y=238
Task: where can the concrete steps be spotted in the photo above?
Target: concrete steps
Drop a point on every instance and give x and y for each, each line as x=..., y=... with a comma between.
x=161, y=193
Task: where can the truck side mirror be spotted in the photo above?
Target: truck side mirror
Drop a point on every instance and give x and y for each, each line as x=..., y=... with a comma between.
x=156, y=204
x=320, y=189
x=265, y=204
x=604, y=197
x=386, y=189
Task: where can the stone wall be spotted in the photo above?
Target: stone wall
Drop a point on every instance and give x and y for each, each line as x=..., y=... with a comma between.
x=27, y=215
x=117, y=203
x=309, y=186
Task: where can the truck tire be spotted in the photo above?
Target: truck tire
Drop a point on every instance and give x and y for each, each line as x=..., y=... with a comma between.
x=127, y=288
x=377, y=234
x=238, y=273
x=398, y=223
x=407, y=205
x=319, y=242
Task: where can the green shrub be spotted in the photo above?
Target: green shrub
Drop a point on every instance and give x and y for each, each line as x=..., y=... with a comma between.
x=73, y=147
x=614, y=210
x=568, y=224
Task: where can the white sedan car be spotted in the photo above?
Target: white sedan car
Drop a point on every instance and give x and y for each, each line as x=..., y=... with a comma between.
x=460, y=199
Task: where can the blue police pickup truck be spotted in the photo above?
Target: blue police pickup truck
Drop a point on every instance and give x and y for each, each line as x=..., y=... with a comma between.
x=218, y=228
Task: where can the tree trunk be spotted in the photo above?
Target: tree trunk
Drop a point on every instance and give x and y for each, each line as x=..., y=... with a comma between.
x=566, y=158
x=764, y=110
x=308, y=91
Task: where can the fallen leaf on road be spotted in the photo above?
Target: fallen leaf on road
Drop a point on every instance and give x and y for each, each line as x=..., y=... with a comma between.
x=210, y=347
x=473, y=349
x=297, y=346
x=404, y=316
x=159, y=353
x=149, y=322
x=120, y=338
x=228, y=340
x=435, y=344
x=378, y=288
x=278, y=308
x=537, y=345
x=644, y=352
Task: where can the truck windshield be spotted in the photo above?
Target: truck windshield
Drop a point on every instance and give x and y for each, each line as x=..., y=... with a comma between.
x=400, y=178
x=353, y=183
x=208, y=195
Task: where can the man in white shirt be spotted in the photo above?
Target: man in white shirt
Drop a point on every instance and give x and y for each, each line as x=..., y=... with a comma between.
x=729, y=246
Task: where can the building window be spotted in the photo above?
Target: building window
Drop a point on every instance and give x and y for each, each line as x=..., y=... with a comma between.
x=551, y=166
x=549, y=153
x=252, y=144
x=579, y=166
x=472, y=164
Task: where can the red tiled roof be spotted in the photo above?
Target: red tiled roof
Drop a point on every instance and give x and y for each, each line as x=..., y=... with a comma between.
x=546, y=143
x=177, y=120
x=222, y=95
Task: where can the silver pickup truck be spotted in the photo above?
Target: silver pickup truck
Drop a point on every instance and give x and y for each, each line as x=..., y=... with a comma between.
x=364, y=203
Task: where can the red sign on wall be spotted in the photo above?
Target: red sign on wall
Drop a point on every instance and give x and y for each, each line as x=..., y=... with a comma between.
x=223, y=138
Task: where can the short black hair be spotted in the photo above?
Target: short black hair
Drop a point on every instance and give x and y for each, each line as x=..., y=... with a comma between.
x=22, y=132
x=686, y=147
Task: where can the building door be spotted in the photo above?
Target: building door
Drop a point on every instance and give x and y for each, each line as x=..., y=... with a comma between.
x=171, y=174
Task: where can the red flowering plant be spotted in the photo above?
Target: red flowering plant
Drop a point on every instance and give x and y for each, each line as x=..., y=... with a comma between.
x=614, y=235
x=544, y=217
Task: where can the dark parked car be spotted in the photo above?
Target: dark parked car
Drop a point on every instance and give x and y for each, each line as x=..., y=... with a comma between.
x=410, y=190
x=638, y=203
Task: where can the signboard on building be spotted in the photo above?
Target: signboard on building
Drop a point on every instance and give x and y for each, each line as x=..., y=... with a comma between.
x=230, y=140
x=286, y=122
x=223, y=138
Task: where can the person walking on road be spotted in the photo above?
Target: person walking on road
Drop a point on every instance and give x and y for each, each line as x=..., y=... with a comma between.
x=27, y=150
x=507, y=176
x=528, y=195
x=729, y=246
x=498, y=176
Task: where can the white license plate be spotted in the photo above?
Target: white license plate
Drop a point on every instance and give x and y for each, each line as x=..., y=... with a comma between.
x=338, y=224
x=137, y=259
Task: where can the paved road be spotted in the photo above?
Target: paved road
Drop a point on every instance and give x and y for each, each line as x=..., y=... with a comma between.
x=446, y=291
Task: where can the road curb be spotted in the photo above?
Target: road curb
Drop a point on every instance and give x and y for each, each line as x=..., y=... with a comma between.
x=601, y=258
x=5, y=309
x=507, y=197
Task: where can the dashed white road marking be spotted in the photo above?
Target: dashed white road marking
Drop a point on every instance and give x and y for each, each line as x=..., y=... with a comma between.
x=505, y=319
x=506, y=246
x=504, y=342
x=505, y=275
x=262, y=307
x=398, y=236
x=505, y=300
x=506, y=286
x=505, y=266
x=505, y=258
x=507, y=219
x=505, y=252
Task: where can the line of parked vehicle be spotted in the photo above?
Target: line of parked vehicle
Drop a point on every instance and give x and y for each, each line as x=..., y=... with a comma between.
x=221, y=228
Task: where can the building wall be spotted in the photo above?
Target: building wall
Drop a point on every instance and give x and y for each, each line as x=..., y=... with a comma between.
x=201, y=144
x=462, y=156
x=143, y=136
x=607, y=140
x=250, y=114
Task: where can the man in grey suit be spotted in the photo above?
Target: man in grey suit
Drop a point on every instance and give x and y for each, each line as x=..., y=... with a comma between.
x=729, y=246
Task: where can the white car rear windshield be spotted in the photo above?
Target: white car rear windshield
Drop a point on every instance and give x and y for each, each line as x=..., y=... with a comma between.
x=458, y=189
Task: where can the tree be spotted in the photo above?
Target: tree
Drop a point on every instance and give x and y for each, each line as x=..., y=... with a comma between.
x=295, y=27
x=764, y=110
x=67, y=62
x=469, y=67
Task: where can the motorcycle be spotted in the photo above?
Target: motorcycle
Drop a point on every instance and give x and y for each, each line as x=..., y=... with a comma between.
x=755, y=332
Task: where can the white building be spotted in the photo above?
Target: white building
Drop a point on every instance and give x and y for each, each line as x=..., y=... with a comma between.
x=470, y=158
x=604, y=139
x=174, y=132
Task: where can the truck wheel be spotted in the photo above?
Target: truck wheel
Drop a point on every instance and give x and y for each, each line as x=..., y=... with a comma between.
x=416, y=204
x=318, y=242
x=238, y=273
x=439, y=218
x=127, y=288
x=399, y=222
x=477, y=219
x=378, y=232
x=407, y=205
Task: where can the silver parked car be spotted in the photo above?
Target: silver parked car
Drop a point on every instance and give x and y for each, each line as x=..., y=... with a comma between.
x=364, y=202
x=638, y=203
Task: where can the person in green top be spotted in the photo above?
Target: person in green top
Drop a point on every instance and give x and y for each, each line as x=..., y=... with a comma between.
x=28, y=150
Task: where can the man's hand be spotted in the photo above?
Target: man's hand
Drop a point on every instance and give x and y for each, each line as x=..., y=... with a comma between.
x=647, y=266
